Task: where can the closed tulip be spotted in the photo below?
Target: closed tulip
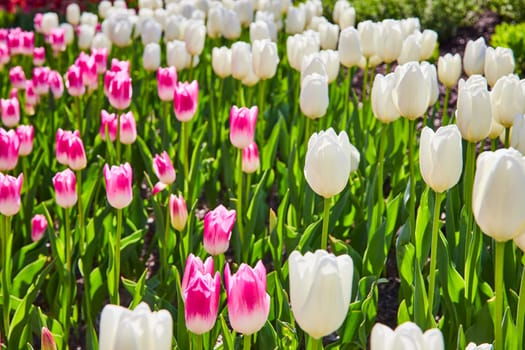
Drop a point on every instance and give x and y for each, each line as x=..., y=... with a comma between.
x=89, y=18
x=214, y=22
x=407, y=336
x=241, y=60
x=108, y=121
x=428, y=44
x=47, y=341
x=69, y=33
x=221, y=61
x=193, y=264
x=508, y=99
x=128, y=128
x=498, y=192
x=429, y=71
x=347, y=19
x=250, y=158
x=331, y=62
x=73, y=14
x=320, y=290
x=10, y=188
x=248, y=302
x=86, y=33
x=39, y=56
x=312, y=64
x=265, y=58
x=218, y=225
x=100, y=56
x=440, y=157
x=10, y=111
x=121, y=328
x=474, y=57
x=194, y=37
x=74, y=84
x=498, y=63
x=56, y=84
x=410, y=50
x=49, y=21
x=231, y=26
x=349, y=47
x=242, y=125
x=17, y=77
x=76, y=154
x=339, y=7
x=62, y=146
x=41, y=80
x=118, y=181
x=58, y=40
x=449, y=69
x=120, y=91
x=330, y=158
x=329, y=34
x=382, y=102
x=25, y=135
x=166, y=82
x=151, y=57
x=9, y=149
x=295, y=20
x=411, y=93
x=120, y=30
x=474, y=109
x=38, y=227
x=259, y=31
x=517, y=136
x=299, y=46
x=178, y=212
x=164, y=168
x=313, y=98
x=177, y=55
x=151, y=31
x=65, y=184
x=185, y=100
x=389, y=40
x=367, y=33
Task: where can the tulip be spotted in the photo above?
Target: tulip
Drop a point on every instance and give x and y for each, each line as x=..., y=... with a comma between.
x=474, y=109
x=231, y=25
x=339, y=7
x=10, y=188
x=65, y=184
x=194, y=37
x=214, y=23
x=103, y=8
x=32, y=98
x=250, y=158
x=108, y=121
x=218, y=225
x=194, y=264
x=329, y=34
x=498, y=63
x=259, y=31
x=151, y=32
x=38, y=227
x=39, y=56
x=331, y=62
x=69, y=33
x=347, y=19
x=449, y=69
x=320, y=290
x=265, y=58
x=177, y=55
x=121, y=328
x=56, y=84
x=222, y=61
x=58, y=39
x=517, y=138
x=10, y=111
x=242, y=125
x=428, y=44
x=120, y=66
x=474, y=57
x=411, y=93
x=473, y=346
x=120, y=91
x=47, y=341
x=88, y=68
x=367, y=30
x=241, y=60
x=41, y=80
x=389, y=40
x=62, y=146
x=299, y=46
x=166, y=82
x=382, y=102
x=430, y=74
x=118, y=181
x=25, y=135
x=49, y=21
x=349, y=47
x=9, y=149
x=17, y=77
x=164, y=168
x=244, y=11
x=406, y=336
x=73, y=14
x=76, y=154
x=37, y=22
x=248, y=302
x=508, y=99
x=74, y=84
x=410, y=50
x=178, y=212
x=100, y=55
x=295, y=20
x=85, y=36
x=313, y=99
x=185, y=100
x=89, y=19
x=312, y=64
x=128, y=128
x=120, y=30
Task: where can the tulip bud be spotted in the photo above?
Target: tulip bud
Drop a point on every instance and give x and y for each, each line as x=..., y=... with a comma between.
x=73, y=14
x=76, y=155
x=259, y=31
x=58, y=40
x=331, y=62
x=313, y=99
x=250, y=158
x=367, y=31
x=25, y=135
x=320, y=290
x=39, y=56
x=214, y=23
x=10, y=188
x=265, y=58
x=85, y=36
x=474, y=57
x=497, y=194
x=166, y=82
x=49, y=21
x=47, y=341
x=120, y=91
x=329, y=34
x=177, y=55
x=38, y=227
x=9, y=149
x=240, y=59
x=231, y=25
x=498, y=63
x=164, y=168
x=194, y=37
x=100, y=56
x=410, y=50
x=41, y=80
x=248, y=302
x=242, y=125
x=62, y=146
x=151, y=32
x=65, y=184
x=128, y=128
x=56, y=84
x=185, y=100
x=508, y=99
x=429, y=71
x=449, y=69
x=406, y=336
x=222, y=61
x=10, y=111
x=347, y=19
x=74, y=84
x=349, y=47
x=428, y=44
x=382, y=102
x=118, y=185
x=389, y=40
x=218, y=225
x=17, y=77
x=411, y=93
x=295, y=20
x=474, y=109
x=178, y=212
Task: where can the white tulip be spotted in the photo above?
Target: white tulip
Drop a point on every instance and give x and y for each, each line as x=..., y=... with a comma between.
x=449, y=69
x=411, y=49
x=329, y=34
x=407, y=336
x=498, y=63
x=428, y=44
x=367, y=34
x=508, y=99
x=313, y=98
x=474, y=109
x=241, y=60
x=474, y=57
x=295, y=20
x=259, y=31
x=265, y=58
x=177, y=56
x=411, y=93
x=194, y=36
x=382, y=102
x=73, y=14
x=221, y=61
x=49, y=21
x=349, y=47
x=151, y=57
x=85, y=36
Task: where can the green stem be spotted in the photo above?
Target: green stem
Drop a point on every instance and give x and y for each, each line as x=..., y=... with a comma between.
x=242, y=100
x=68, y=274
x=445, y=107
x=239, y=203
x=79, y=114
x=5, y=266
x=198, y=338
x=498, y=284
x=81, y=242
x=433, y=257
x=507, y=137
x=520, y=315
x=315, y=344
x=213, y=115
x=326, y=219
x=118, y=137
x=247, y=342
x=411, y=161
x=185, y=151
x=262, y=123
x=468, y=182
x=365, y=83
x=380, y=178
x=164, y=251
x=114, y=298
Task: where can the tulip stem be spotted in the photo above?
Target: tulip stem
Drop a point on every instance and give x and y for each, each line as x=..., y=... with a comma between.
x=79, y=114
x=198, y=339
x=433, y=257
x=468, y=181
x=114, y=297
x=498, y=285
x=185, y=151
x=520, y=315
x=118, y=138
x=239, y=204
x=68, y=274
x=80, y=213
x=445, y=119
x=507, y=137
x=247, y=343
x=164, y=251
x=5, y=241
x=380, y=178
x=326, y=219
x=365, y=83
x=315, y=344
x=412, y=198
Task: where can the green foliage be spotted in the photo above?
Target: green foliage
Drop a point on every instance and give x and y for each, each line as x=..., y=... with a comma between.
x=512, y=36
x=509, y=10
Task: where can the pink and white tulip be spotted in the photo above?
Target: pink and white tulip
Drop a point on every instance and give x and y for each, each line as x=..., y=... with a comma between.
x=194, y=263
x=74, y=83
x=119, y=185
x=108, y=120
x=218, y=225
x=17, y=77
x=57, y=39
x=10, y=111
x=164, y=168
x=26, y=134
x=101, y=59
x=38, y=227
x=41, y=80
x=178, y=212
x=120, y=91
x=242, y=125
x=128, y=128
x=65, y=184
x=9, y=148
x=62, y=146
x=10, y=188
x=166, y=82
x=76, y=154
x=56, y=84
x=250, y=158
x=39, y=56
x=185, y=100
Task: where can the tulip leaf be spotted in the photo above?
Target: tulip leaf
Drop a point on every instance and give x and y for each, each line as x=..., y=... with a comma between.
x=227, y=338
x=267, y=337
x=27, y=275
x=423, y=227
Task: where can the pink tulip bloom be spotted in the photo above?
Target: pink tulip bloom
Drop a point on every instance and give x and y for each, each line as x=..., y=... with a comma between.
x=164, y=168
x=57, y=40
x=110, y=121
x=47, y=341
x=17, y=77
x=120, y=91
x=37, y=22
x=65, y=184
x=248, y=302
x=120, y=66
x=56, y=84
x=62, y=146
x=38, y=227
x=74, y=83
x=4, y=55
x=108, y=77
x=32, y=98
x=194, y=263
x=101, y=59
x=26, y=134
x=118, y=185
x=3, y=35
x=166, y=82
x=128, y=128
x=76, y=154
x=250, y=158
x=9, y=148
x=41, y=80
x=218, y=225
x=242, y=125
x=185, y=100
x=39, y=56
x=10, y=111
x=178, y=212
x=14, y=43
x=88, y=68
x=27, y=43
x=10, y=188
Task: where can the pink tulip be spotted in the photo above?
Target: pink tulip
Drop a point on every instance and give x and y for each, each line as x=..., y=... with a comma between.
x=39, y=56
x=101, y=59
x=10, y=111
x=62, y=146
x=13, y=93
x=74, y=83
x=65, y=184
x=4, y=55
x=110, y=121
x=178, y=212
x=128, y=128
x=76, y=154
x=166, y=82
x=185, y=99
x=32, y=98
x=38, y=227
x=120, y=66
x=88, y=68
x=9, y=148
x=41, y=80
x=14, y=43
x=37, y=22
x=25, y=135
x=164, y=168
x=120, y=91
x=56, y=84
x=47, y=341
x=108, y=77
x=194, y=263
x=248, y=302
x=118, y=185
x=218, y=225
x=57, y=40
x=242, y=125
x=3, y=35
x=10, y=188
x=17, y=77
x=250, y=158
x=27, y=43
